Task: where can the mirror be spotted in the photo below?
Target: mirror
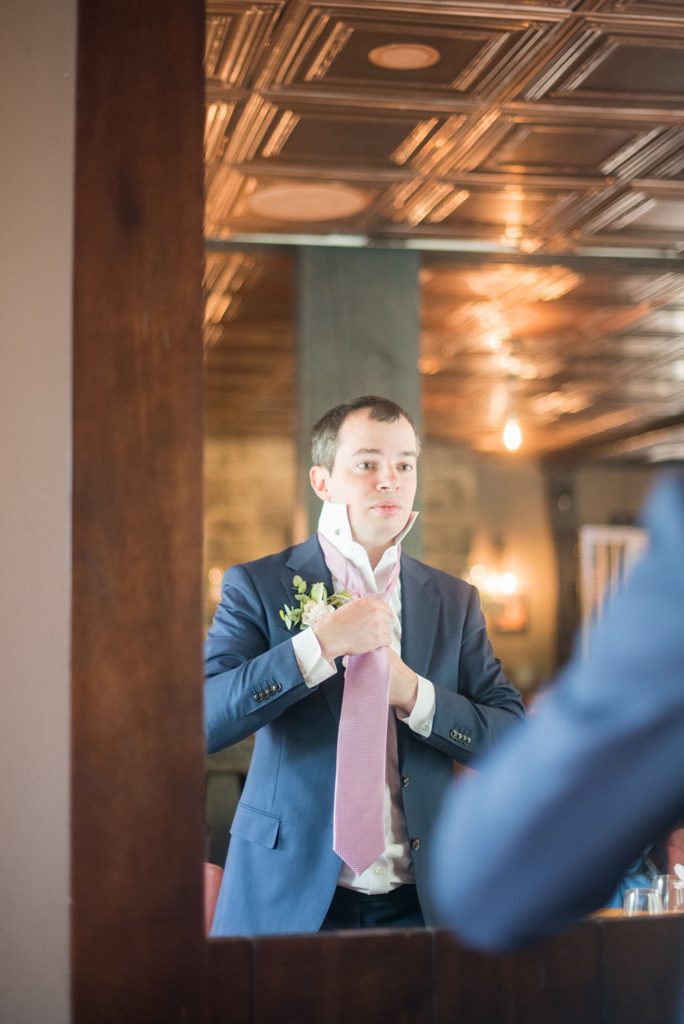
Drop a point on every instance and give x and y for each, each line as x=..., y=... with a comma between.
x=550, y=279
x=486, y=514
x=137, y=755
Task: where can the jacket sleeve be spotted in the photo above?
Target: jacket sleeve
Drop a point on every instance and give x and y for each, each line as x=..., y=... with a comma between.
x=542, y=834
x=249, y=681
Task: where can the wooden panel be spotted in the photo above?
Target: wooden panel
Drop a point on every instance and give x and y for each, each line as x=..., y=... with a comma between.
x=137, y=784
x=554, y=983
x=249, y=345
x=642, y=970
x=603, y=970
x=229, y=983
x=340, y=977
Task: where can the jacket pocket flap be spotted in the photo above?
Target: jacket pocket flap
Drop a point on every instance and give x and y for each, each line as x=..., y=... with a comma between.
x=255, y=826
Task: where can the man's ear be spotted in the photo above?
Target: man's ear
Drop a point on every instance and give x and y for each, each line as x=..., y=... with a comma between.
x=319, y=477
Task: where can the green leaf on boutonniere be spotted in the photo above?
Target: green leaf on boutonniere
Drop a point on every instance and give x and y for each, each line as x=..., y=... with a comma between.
x=318, y=595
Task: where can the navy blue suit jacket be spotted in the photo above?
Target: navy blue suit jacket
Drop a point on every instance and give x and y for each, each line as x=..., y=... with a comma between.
x=281, y=870
x=542, y=834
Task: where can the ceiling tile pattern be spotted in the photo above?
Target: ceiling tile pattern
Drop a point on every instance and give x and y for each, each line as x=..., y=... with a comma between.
x=543, y=134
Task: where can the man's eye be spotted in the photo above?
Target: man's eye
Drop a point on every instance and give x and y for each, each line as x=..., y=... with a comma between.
x=365, y=465
x=406, y=467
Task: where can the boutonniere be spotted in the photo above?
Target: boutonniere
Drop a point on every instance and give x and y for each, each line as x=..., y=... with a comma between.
x=312, y=605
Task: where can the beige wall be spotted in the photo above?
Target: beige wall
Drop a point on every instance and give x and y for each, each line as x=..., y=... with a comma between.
x=249, y=502
x=513, y=509
x=611, y=494
x=493, y=510
x=37, y=65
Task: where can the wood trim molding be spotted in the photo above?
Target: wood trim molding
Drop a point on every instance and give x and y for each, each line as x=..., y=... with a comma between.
x=137, y=776
x=138, y=949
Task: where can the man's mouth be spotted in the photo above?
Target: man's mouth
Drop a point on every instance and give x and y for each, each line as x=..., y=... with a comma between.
x=387, y=508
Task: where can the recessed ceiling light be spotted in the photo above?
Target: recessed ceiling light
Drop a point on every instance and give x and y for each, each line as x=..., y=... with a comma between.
x=302, y=202
x=404, y=56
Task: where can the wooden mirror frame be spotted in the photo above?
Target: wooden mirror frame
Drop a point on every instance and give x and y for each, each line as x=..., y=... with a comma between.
x=139, y=953
x=138, y=949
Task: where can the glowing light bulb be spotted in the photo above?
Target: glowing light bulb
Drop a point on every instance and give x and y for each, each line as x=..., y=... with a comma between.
x=508, y=583
x=512, y=434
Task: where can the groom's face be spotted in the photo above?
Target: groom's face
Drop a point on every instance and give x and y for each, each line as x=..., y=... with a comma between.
x=374, y=475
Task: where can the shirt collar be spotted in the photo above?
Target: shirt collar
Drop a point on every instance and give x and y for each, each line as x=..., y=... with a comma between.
x=333, y=523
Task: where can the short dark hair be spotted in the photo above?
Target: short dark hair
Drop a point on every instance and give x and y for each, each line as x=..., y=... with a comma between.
x=326, y=432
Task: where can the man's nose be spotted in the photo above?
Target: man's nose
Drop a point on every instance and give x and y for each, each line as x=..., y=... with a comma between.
x=388, y=480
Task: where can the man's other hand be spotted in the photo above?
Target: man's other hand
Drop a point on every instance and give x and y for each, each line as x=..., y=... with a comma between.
x=403, y=684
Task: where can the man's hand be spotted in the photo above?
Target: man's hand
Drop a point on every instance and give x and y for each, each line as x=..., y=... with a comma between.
x=355, y=628
x=362, y=626
x=403, y=684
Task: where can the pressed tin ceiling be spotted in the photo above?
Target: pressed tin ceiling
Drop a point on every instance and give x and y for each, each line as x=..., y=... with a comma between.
x=533, y=151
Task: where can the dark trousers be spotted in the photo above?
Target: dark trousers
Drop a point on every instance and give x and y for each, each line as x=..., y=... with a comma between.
x=396, y=909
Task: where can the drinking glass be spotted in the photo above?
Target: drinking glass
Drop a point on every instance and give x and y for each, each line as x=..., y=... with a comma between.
x=666, y=887
x=642, y=901
x=677, y=897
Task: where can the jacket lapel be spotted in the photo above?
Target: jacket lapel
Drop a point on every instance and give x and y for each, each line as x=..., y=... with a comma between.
x=307, y=561
x=420, y=605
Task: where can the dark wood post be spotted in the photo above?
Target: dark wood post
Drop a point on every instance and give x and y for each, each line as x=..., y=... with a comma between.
x=137, y=782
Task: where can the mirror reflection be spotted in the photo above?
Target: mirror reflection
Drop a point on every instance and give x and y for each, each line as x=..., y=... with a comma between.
x=510, y=524
x=384, y=217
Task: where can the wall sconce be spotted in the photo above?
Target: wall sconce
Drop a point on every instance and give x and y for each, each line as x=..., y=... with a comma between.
x=504, y=607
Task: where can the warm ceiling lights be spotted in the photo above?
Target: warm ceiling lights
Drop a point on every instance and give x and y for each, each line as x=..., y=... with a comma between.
x=304, y=202
x=404, y=56
x=512, y=434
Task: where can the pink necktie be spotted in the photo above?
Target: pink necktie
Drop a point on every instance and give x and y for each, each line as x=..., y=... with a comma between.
x=359, y=817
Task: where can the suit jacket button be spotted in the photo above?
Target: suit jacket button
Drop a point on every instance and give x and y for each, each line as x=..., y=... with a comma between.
x=405, y=779
x=415, y=844
x=453, y=734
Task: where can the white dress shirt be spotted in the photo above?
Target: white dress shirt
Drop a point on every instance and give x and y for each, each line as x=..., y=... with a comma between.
x=394, y=867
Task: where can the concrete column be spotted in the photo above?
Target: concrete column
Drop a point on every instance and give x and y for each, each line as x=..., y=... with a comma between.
x=358, y=334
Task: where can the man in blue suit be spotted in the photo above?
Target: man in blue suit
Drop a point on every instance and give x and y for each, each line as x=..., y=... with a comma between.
x=449, y=699
x=543, y=832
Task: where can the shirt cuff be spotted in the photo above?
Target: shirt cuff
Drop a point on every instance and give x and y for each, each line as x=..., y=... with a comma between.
x=313, y=666
x=421, y=718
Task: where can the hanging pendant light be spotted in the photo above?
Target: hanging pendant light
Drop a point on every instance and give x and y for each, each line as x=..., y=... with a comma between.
x=512, y=434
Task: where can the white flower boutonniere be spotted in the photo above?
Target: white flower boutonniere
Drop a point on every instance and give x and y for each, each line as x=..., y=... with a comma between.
x=313, y=605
